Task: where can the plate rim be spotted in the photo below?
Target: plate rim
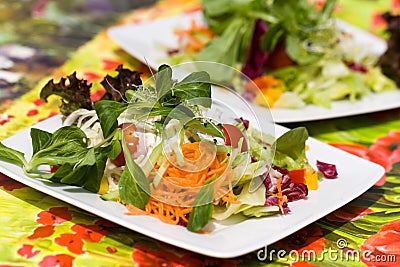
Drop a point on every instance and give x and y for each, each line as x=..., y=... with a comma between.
x=133, y=222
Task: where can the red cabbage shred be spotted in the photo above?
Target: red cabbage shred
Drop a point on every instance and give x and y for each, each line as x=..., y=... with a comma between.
x=328, y=170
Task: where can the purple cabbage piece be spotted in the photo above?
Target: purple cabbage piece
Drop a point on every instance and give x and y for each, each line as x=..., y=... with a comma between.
x=271, y=186
x=273, y=201
x=328, y=170
x=291, y=190
x=295, y=192
x=266, y=181
x=357, y=67
x=173, y=51
x=283, y=171
x=256, y=57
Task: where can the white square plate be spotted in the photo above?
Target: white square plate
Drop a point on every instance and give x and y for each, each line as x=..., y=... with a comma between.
x=150, y=41
x=227, y=239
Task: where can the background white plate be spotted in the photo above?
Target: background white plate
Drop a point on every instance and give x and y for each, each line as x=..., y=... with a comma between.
x=150, y=41
x=227, y=239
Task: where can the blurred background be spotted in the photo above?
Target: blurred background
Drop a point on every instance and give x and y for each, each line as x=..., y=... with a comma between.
x=37, y=36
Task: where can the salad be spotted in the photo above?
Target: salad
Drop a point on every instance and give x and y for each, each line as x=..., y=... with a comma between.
x=151, y=148
x=293, y=50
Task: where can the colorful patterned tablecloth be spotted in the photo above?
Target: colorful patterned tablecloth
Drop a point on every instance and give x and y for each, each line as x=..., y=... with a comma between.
x=51, y=39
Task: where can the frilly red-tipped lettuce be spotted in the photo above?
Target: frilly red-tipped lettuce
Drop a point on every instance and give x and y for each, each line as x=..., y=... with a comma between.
x=75, y=94
x=117, y=86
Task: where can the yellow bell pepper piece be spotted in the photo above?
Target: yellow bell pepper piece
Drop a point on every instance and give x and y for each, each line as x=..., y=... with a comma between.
x=103, y=186
x=311, y=178
x=268, y=96
x=268, y=90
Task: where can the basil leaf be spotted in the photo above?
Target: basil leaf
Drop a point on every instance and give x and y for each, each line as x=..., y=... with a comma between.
x=195, y=85
x=67, y=134
x=203, y=208
x=108, y=112
x=87, y=174
x=205, y=127
x=76, y=177
x=86, y=168
x=95, y=173
x=181, y=113
x=61, y=153
x=67, y=145
x=164, y=80
x=292, y=143
x=40, y=139
x=62, y=171
x=115, y=149
x=12, y=156
x=133, y=185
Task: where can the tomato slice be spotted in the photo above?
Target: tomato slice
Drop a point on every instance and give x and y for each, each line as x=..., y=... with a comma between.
x=53, y=169
x=298, y=176
x=232, y=136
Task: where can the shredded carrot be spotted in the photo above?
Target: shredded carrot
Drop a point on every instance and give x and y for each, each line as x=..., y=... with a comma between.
x=181, y=177
x=173, y=198
x=230, y=197
x=267, y=89
x=281, y=198
x=195, y=37
x=165, y=212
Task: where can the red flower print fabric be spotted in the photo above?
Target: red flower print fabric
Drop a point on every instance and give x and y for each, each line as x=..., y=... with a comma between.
x=307, y=239
x=90, y=233
x=42, y=232
x=385, y=151
x=55, y=215
x=72, y=242
x=27, y=251
x=146, y=257
x=348, y=214
x=383, y=248
x=9, y=184
x=59, y=260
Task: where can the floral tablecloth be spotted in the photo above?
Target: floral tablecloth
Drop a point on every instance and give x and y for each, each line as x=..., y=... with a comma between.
x=39, y=230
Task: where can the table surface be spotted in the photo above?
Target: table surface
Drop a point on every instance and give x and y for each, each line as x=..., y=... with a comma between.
x=51, y=39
